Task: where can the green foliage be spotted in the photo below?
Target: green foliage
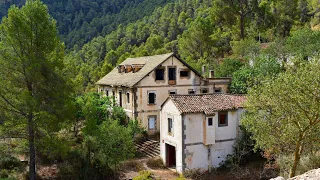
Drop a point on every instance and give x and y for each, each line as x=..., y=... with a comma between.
x=246, y=48
x=228, y=67
x=35, y=95
x=282, y=113
x=248, y=76
x=304, y=43
x=143, y=175
x=9, y=163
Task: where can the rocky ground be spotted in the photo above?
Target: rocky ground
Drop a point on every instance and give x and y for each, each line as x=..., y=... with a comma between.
x=310, y=175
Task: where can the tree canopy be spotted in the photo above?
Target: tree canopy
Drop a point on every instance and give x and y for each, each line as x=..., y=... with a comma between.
x=283, y=113
x=34, y=93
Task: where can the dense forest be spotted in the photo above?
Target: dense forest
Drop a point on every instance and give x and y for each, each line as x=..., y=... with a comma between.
x=53, y=53
x=99, y=34
x=79, y=21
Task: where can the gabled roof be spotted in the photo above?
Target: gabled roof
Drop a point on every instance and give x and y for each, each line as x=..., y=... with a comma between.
x=150, y=63
x=207, y=103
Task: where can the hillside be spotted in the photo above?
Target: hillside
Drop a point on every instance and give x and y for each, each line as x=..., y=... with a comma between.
x=79, y=21
x=202, y=32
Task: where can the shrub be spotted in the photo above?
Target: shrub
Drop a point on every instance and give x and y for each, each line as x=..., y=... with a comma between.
x=181, y=177
x=132, y=165
x=194, y=174
x=9, y=163
x=155, y=163
x=309, y=162
x=143, y=175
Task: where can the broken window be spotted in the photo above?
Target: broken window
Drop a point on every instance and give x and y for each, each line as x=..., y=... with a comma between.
x=159, y=74
x=151, y=97
x=223, y=118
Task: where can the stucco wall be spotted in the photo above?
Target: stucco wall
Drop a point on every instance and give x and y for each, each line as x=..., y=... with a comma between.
x=199, y=138
x=170, y=111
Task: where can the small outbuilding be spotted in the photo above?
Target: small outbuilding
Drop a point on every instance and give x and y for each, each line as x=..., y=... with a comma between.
x=198, y=131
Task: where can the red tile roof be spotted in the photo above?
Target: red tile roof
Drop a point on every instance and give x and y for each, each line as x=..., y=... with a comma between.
x=207, y=103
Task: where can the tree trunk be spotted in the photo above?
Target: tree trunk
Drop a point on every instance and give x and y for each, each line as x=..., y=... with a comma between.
x=32, y=163
x=297, y=155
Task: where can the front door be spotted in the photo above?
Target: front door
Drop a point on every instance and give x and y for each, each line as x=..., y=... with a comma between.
x=171, y=155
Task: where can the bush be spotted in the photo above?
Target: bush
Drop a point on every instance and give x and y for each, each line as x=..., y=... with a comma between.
x=9, y=163
x=155, y=163
x=309, y=162
x=194, y=174
x=143, y=175
x=132, y=165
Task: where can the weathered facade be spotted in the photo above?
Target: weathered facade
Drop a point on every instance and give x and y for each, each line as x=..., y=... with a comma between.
x=198, y=131
x=141, y=85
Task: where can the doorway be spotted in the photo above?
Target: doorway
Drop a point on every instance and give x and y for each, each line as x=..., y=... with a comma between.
x=171, y=156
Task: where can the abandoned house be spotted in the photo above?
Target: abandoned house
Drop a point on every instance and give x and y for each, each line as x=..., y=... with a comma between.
x=198, y=131
x=140, y=85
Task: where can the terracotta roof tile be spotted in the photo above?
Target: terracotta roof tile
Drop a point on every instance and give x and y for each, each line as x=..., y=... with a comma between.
x=207, y=103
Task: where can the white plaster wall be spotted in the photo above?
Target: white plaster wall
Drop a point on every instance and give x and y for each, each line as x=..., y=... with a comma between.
x=230, y=131
x=219, y=152
x=197, y=157
x=194, y=129
x=169, y=110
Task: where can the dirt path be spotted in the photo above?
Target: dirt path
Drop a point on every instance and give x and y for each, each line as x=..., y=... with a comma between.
x=163, y=174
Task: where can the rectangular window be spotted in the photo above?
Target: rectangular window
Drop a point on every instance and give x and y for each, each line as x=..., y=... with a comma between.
x=159, y=74
x=151, y=97
x=204, y=91
x=170, y=126
x=223, y=119
x=210, y=121
x=184, y=73
x=191, y=91
x=107, y=92
x=113, y=93
x=128, y=97
x=152, y=122
x=172, y=73
x=173, y=91
x=217, y=90
x=120, y=98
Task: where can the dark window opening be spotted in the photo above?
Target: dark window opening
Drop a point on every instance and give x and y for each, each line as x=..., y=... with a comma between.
x=159, y=74
x=218, y=90
x=151, y=98
x=170, y=125
x=172, y=73
x=113, y=94
x=128, y=97
x=172, y=91
x=223, y=119
x=210, y=121
x=204, y=91
x=120, y=98
x=191, y=91
x=107, y=92
x=184, y=73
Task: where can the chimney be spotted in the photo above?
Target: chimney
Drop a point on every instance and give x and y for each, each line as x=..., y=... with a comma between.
x=211, y=74
x=204, y=70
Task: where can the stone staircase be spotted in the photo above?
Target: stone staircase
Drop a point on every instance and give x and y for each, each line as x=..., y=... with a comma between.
x=148, y=147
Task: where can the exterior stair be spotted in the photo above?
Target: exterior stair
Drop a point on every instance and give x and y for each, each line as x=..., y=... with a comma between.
x=148, y=147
